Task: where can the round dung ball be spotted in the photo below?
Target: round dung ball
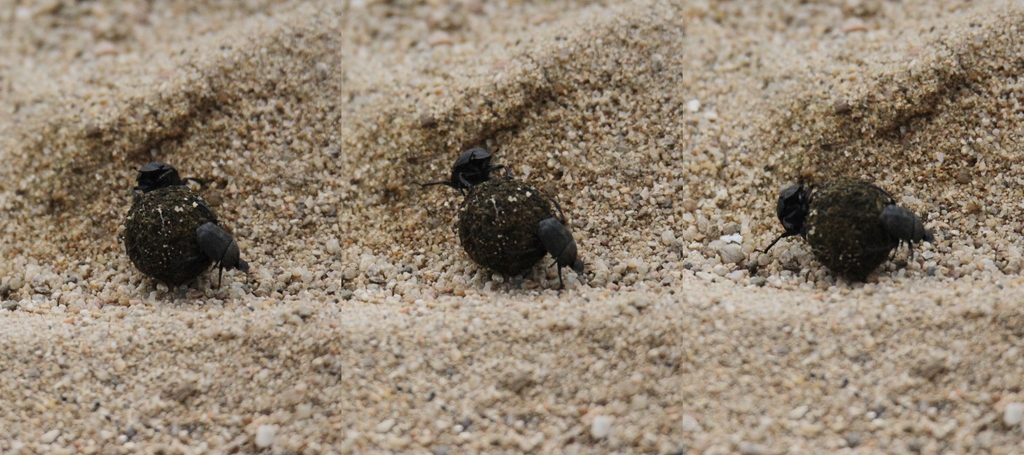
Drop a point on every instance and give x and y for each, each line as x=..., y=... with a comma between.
x=844, y=227
x=160, y=234
x=498, y=223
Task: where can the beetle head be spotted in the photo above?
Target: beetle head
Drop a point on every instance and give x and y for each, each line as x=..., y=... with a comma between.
x=474, y=157
x=792, y=208
x=156, y=175
x=473, y=167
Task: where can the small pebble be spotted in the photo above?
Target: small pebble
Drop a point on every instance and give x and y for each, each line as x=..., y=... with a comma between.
x=304, y=312
x=853, y=438
x=798, y=412
x=49, y=437
x=332, y=246
x=1014, y=414
x=963, y=176
x=384, y=426
x=668, y=238
x=750, y=448
x=731, y=253
x=438, y=38
x=705, y=276
x=854, y=24
x=601, y=427
x=265, y=436
x=690, y=424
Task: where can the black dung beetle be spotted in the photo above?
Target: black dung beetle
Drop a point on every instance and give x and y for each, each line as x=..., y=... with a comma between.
x=852, y=225
x=558, y=242
x=171, y=233
x=473, y=167
x=221, y=248
x=792, y=208
x=902, y=225
x=156, y=175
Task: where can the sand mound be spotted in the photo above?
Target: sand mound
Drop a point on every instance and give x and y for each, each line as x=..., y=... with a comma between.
x=660, y=128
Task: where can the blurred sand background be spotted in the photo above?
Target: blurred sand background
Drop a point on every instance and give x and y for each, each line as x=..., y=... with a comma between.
x=665, y=129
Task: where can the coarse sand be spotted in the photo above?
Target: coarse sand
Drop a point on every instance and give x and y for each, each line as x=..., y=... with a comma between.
x=664, y=129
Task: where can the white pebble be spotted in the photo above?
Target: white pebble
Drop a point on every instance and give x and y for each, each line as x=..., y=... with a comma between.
x=798, y=412
x=333, y=246
x=601, y=427
x=749, y=448
x=690, y=424
x=705, y=276
x=732, y=238
x=265, y=436
x=384, y=426
x=731, y=253
x=1014, y=414
x=49, y=436
x=693, y=105
x=668, y=238
x=736, y=275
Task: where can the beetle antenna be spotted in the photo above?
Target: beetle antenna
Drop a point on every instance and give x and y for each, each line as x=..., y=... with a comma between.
x=220, y=265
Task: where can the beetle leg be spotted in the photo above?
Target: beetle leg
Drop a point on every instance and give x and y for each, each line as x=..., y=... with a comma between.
x=465, y=183
x=561, y=214
x=508, y=172
x=784, y=235
x=435, y=183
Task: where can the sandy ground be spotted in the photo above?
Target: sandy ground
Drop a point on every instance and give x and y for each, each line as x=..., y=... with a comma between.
x=664, y=129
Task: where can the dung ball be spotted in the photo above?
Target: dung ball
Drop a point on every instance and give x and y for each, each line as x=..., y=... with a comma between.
x=844, y=227
x=498, y=222
x=160, y=234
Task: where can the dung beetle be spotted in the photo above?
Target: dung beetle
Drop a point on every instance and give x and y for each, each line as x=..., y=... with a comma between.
x=902, y=225
x=221, y=248
x=851, y=225
x=558, y=242
x=171, y=234
x=792, y=208
x=156, y=175
x=473, y=167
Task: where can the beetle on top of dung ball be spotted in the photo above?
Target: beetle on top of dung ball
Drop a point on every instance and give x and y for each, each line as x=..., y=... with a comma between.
x=851, y=225
x=507, y=225
x=171, y=234
x=472, y=167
